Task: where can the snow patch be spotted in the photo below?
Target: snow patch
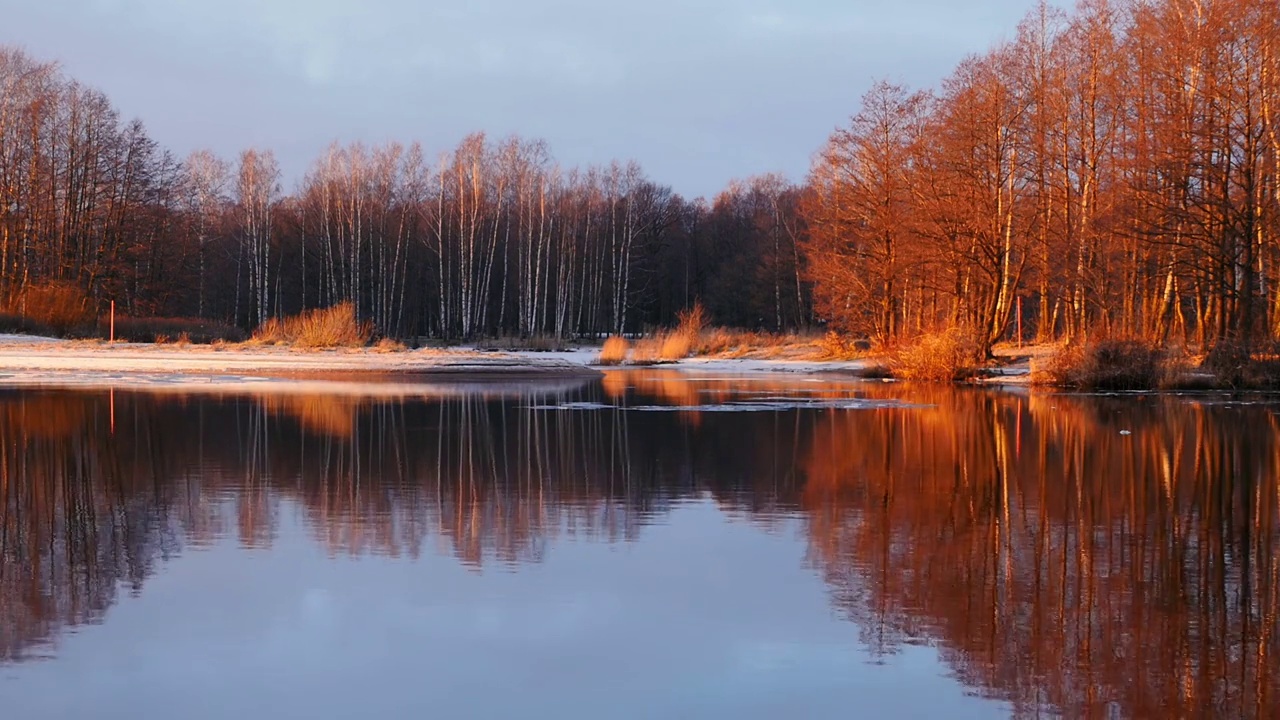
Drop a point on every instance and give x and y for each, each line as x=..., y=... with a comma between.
x=770, y=405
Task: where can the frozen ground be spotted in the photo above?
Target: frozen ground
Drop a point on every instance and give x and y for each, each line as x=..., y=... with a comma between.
x=721, y=366
x=1013, y=374
x=27, y=361
x=33, y=361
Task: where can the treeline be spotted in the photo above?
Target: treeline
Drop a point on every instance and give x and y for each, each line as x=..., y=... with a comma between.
x=1116, y=169
x=489, y=238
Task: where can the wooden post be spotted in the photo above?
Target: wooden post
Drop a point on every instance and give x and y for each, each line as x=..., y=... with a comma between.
x=113, y=321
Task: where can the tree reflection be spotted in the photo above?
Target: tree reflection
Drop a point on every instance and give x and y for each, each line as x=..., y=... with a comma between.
x=1056, y=562
x=76, y=521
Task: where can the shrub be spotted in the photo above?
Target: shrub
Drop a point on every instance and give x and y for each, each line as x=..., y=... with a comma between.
x=544, y=343
x=60, y=308
x=161, y=330
x=10, y=323
x=1233, y=365
x=331, y=327
x=1105, y=365
x=614, y=351
x=1228, y=364
x=946, y=356
x=834, y=346
x=534, y=343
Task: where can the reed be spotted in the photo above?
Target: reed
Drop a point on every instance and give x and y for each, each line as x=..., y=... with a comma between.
x=331, y=327
x=614, y=351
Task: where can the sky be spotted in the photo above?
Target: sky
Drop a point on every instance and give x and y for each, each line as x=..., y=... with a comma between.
x=645, y=629
x=698, y=91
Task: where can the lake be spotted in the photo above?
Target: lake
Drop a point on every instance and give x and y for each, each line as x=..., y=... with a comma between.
x=649, y=545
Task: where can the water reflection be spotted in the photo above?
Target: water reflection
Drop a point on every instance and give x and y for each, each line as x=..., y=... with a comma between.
x=1056, y=560
x=1092, y=556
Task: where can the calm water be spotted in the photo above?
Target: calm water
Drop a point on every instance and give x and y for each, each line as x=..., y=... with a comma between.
x=645, y=546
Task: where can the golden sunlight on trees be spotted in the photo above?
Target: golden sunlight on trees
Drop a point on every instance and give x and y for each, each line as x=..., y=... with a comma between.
x=1117, y=167
x=1113, y=170
x=860, y=214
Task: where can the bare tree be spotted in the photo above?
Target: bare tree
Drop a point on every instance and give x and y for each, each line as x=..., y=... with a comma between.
x=257, y=192
x=205, y=182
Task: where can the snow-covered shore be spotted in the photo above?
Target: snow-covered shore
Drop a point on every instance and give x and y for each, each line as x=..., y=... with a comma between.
x=726, y=366
x=26, y=361
x=47, y=362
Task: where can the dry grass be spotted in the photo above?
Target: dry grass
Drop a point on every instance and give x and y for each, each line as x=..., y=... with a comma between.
x=834, y=346
x=693, y=337
x=647, y=351
x=332, y=327
x=946, y=356
x=692, y=321
x=1107, y=365
x=732, y=344
x=389, y=345
x=718, y=341
x=669, y=345
x=677, y=344
x=614, y=351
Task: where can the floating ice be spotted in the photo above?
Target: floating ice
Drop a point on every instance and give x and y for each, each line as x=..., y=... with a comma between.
x=769, y=405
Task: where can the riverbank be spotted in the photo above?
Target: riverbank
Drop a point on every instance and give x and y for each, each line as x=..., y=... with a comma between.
x=725, y=365
x=27, y=361
x=31, y=361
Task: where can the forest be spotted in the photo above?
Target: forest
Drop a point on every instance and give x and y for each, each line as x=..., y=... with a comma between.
x=493, y=237
x=1112, y=170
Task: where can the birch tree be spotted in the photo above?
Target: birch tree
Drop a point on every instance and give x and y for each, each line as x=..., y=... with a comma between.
x=205, y=182
x=257, y=192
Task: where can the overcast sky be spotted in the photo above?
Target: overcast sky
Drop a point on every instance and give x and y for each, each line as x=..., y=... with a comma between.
x=698, y=91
